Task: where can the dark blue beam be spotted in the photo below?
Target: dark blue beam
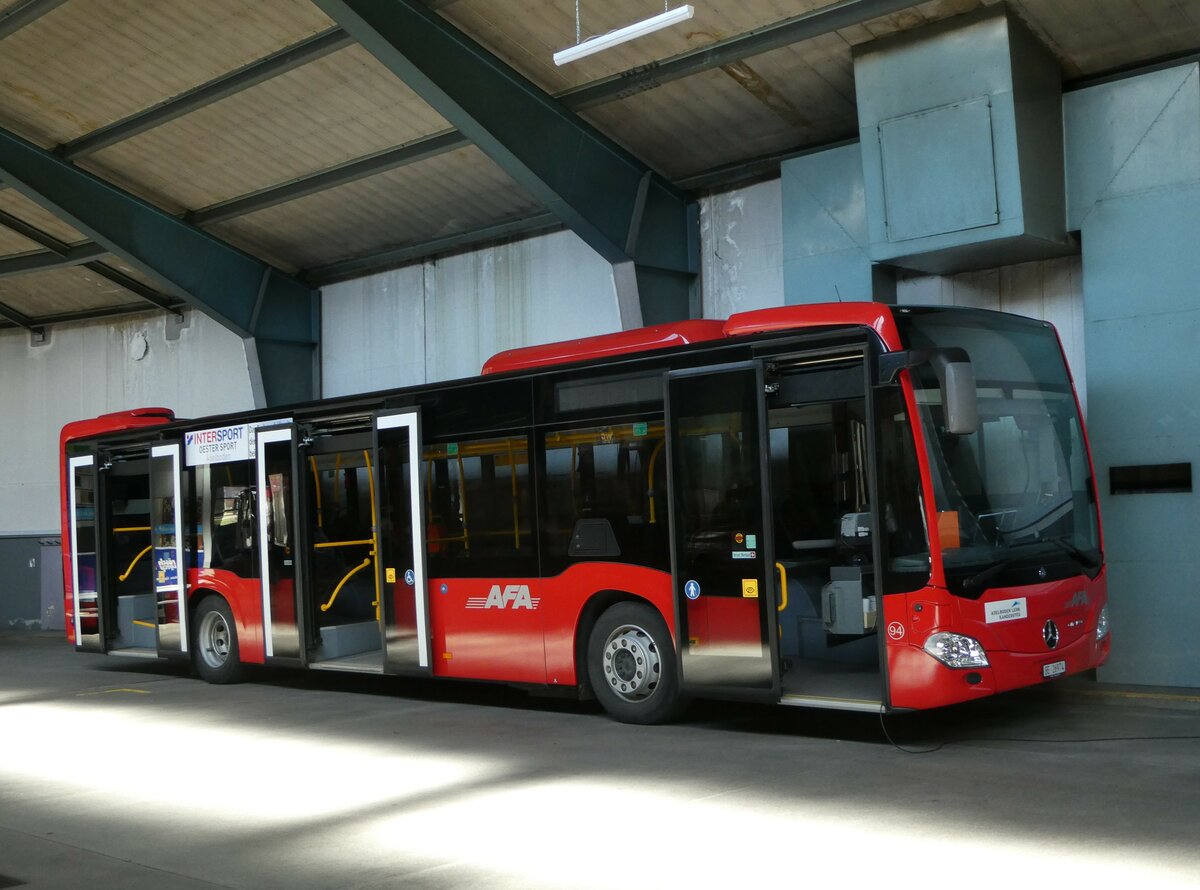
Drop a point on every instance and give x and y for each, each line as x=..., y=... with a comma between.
x=622, y=209
x=395, y=257
x=22, y=14
x=287, y=59
x=274, y=313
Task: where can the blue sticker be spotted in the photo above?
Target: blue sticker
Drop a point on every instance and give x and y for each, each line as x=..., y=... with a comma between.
x=445, y=588
x=409, y=578
x=692, y=589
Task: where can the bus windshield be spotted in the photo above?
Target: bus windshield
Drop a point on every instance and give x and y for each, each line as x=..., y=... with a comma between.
x=1015, y=499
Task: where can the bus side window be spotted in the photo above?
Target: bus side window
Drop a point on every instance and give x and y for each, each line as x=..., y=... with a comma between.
x=605, y=494
x=478, y=519
x=227, y=519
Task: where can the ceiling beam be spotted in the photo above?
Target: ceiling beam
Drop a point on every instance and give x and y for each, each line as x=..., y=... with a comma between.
x=19, y=319
x=61, y=248
x=806, y=26
x=43, y=260
x=274, y=314
x=394, y=257
x=351, y=171
x=287, y=59
x=622, y=209
x=589, y=95
x=22, y=14
x=44, y=321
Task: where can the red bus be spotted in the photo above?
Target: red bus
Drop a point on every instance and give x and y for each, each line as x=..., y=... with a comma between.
x=851, y=506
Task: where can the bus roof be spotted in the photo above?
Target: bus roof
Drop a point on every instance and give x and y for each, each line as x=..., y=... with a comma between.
x=876, y=316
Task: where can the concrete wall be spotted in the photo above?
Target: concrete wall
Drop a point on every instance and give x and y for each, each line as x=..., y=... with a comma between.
x=1051, y=290
x=88, y=369
x=1133, y=175
x=741, y=244
x=442, y=319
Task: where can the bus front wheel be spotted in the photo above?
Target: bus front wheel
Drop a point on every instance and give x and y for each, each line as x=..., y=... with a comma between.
x=214, y=642
x=631, y=664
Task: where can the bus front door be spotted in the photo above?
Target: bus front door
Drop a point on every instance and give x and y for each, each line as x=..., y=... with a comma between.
x=401, y=543
x=722, y=560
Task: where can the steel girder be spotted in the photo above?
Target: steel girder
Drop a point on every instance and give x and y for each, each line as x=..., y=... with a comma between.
x=628, y=214
x=276, y=315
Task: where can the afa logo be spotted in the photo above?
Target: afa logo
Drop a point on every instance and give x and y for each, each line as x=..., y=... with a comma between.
x=513, y=596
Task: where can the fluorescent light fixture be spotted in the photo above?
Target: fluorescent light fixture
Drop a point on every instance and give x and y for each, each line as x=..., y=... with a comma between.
x=624, y=35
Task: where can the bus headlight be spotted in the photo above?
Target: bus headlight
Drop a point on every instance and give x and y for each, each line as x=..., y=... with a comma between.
x=1102, y=623
x=956, y=651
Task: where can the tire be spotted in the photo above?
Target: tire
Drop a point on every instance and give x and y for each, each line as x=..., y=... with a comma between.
x=214, y=642
x=631, y=664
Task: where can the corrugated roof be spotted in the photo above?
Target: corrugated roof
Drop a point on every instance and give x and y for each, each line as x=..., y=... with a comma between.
x=87, y=64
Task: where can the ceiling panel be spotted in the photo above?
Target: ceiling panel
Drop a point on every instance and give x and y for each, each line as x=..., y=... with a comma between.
x=337, y=108
x=21, y=207
x=1091, y=36
x=88, y=63
x=451, y=193
x=11, y=242
x=527, y=34
x=60, y=291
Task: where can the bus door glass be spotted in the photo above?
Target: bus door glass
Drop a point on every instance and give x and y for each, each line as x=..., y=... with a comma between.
x=128, y=602
x=168, y=570
x=401, y=534
x=85, y=568
x=340, y=596
x=275, y=509
x=823, y=515
x=720, y=529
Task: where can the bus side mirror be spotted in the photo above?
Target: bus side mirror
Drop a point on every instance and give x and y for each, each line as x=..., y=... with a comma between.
x=956, y=380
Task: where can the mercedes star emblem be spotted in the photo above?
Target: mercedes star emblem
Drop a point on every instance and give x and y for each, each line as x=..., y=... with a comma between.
x=1050, y=634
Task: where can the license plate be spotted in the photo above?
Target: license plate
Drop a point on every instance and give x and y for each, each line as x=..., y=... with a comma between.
x=1054, y=669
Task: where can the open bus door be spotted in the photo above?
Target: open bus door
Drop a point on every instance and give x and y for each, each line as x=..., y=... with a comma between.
x=127, y=551
x=722, y=561
x=168, y=569
x=400, y=537
x=85, y=558
x=279, y=568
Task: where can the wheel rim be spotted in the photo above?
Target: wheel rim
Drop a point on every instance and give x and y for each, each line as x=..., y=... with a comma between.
x=632, y=668
x=214, y=640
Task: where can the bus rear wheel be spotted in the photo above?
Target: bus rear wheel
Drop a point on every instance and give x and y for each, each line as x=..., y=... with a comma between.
x=214, y=642
x=631, y=664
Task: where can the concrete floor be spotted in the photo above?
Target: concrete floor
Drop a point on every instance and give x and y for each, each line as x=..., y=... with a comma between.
x=129, y=773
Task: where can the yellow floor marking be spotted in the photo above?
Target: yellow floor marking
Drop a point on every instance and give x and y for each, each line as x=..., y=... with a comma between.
x=1159, y=695
x=107, y=691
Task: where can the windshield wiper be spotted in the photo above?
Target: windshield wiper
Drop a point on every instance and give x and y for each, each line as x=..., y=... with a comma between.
x=981, y=578
x=1085, y=561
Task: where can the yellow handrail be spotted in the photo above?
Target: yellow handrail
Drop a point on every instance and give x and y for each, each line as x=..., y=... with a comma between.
x=324, y=544
x=132, y=528
x=374, y=526
x=462, y=503
x=782, y=587
x=125, y=575
x=325, y=607
x=650, y=480
x=317, y=488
